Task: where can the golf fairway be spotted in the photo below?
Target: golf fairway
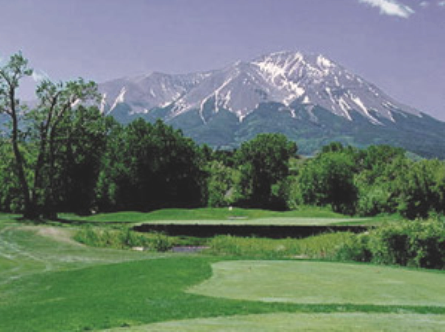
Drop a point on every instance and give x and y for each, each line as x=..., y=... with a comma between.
x=323, y=282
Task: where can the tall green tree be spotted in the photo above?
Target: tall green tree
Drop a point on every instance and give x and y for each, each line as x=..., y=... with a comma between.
x=328, y=179
x=378, y=169
x=81, y=142
x=422, y=189
x=150, y=166
x=219, y=184
x=41, y=128
x=264, y=163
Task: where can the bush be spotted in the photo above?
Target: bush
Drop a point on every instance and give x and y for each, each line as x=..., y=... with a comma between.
x=328, y=179
x=422, y=189
x=161, y=242
x=324, y=246
x=123, y=238
x=392, y=244
x=355, y=249
x=374, y=200
x=406, y=243
x=219, y=184
x=419, y=244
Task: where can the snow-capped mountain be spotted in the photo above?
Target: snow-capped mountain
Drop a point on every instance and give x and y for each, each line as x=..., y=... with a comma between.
x=283, y=77
x=302, y=88
x=146, y=92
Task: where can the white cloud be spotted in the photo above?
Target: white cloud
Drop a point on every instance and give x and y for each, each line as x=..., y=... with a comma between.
x=390, y=7
x=424, y=4
x=39, y=76
x=441, y=3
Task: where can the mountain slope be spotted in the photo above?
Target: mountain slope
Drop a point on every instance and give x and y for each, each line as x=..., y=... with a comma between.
x=308, y=97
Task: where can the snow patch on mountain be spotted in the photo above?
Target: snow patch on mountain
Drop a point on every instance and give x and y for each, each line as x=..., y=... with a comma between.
x=119, y=99
x=284, y=77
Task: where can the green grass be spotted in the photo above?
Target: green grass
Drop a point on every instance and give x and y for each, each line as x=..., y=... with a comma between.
x=48, y=282
x=317, y=283
x=106, y=296
x=27, y=250
x=324, y=246
x=302, y=322
x=217, y=216
x=371, y=221
x=205, y=214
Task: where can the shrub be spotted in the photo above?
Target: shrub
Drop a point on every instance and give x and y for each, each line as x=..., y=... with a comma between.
x=161, y=242
x=123, y=238
x=374, y=200
x=328, y=179
x=406, y=243
x=355, y=249
x=324, y=246
x=391, y=244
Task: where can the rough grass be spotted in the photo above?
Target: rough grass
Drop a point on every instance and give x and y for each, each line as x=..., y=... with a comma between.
x=316, y=283
x=324, y=246
x=123, y=238
x=27, y=250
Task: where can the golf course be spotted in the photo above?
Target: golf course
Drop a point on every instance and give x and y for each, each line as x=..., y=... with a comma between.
x=164, y=167
x=51, y=282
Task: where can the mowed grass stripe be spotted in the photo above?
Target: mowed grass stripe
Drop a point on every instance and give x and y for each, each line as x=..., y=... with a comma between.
x=323, y=283
x=301, y=322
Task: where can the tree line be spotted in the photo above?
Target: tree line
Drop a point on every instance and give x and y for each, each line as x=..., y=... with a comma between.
x=64, y=155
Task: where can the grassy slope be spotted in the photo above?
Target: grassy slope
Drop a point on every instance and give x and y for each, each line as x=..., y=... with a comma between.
x=304, y=216
x=314, y=282
x=48, y=283
x=26, y=250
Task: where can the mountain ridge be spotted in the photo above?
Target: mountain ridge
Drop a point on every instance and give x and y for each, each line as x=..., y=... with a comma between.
x=295, y=84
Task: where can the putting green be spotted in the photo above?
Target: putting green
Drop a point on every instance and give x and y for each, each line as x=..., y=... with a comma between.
x=323, y=283
x=303, y=322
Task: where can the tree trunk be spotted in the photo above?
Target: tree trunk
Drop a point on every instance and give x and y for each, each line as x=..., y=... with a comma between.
x=28, y=211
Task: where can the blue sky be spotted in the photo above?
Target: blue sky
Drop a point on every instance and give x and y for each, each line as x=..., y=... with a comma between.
x=397, y=45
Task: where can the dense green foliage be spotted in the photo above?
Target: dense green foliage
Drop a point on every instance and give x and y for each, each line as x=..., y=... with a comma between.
x=53, y=146
x=147, y=167
x=123, y=238
x=325, y=246
x=264, y=164
x=414, y=243
x=329, y=180
x=377, y=180
x=220, y=183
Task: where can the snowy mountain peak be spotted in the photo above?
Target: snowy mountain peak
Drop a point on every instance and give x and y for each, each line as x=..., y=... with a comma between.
x=289, y=78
